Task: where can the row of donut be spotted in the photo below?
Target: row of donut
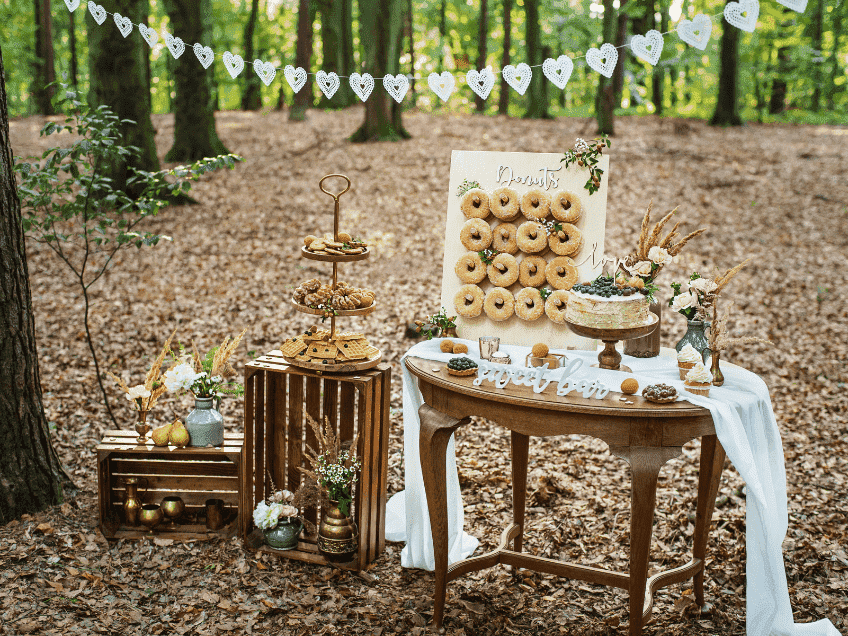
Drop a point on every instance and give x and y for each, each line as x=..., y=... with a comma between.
x=535, y=205
x=505, y=270
x=531, y=237
x=499, y=303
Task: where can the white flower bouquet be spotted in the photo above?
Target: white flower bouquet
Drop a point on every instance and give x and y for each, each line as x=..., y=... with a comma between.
x=268, y=513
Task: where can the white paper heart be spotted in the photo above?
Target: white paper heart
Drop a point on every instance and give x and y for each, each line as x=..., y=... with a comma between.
x=175, y=45
x=442, y=85
x=296, y=77
x=603, y=60
x=265, y=70
x=796, y=5
x=648, y=47
x=150, y=36
x=72, y=5
x=124, y=25
x=558, y=71
x=362, y=85
x=328, y=83
x=481, y=82
x=396, y=86
x=234, y=63
x=743, y=14
x=518, y=77
x=696, y=32
x=97, y=12
x=204, y=54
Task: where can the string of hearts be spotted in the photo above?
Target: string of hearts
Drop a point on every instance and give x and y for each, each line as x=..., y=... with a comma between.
x=696, y=33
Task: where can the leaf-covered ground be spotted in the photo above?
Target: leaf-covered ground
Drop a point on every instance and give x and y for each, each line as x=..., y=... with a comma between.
x=779, y=194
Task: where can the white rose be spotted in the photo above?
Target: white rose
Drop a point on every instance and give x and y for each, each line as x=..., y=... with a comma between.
x=683, y=301
x=642, y=268
x=260, y=514
x=288, y=511
x=660, y=255
x=181, y=377
x=703, y=285
x=137, y=392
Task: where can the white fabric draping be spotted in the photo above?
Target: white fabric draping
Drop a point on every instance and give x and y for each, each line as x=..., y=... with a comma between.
x=745, y=426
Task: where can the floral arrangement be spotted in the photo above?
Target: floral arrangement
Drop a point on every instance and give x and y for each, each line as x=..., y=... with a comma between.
x=701, y=293
x=437, y=325
x=333, y=468
x=586, y=154
x=279, y=506
x=465, y=186
x=143, y=397
x=209, y=375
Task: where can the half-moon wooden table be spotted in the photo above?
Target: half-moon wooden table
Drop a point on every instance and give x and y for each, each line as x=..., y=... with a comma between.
x=645, y=434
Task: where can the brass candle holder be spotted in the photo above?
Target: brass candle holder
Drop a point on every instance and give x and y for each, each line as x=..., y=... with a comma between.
x=173, y=508
x=151, y=516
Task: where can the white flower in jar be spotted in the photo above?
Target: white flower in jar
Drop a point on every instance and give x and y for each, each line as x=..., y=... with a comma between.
x=659, y=255
x=703, y=285
x=137, y=392
x=642, y=268
x=684, y=301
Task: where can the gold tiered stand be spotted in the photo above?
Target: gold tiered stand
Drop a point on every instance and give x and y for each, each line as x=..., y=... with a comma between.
x=335, y=259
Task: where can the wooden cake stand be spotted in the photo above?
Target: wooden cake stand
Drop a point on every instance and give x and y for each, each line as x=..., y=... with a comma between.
x=609, y=357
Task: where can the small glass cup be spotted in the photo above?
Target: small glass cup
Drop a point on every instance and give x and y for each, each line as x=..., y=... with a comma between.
x=488, y=345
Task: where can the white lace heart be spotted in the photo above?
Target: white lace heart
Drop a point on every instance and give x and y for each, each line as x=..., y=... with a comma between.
x=328, y=83
x=603, y=60
x=362, y=85
x=150, y=36
x=234, y=63
x=696, y=32
x=97, y=12
x=796, y=5
x=442, y=85
x=204, y=54
x=265, y=70
x=175, y=45
x=558, y=71
x=518, y=77
x=124, y=25
x=296, y=77
x=743, y=14
x=396, y=86
x=481, y=82
x=648, y=47
x=72, y=5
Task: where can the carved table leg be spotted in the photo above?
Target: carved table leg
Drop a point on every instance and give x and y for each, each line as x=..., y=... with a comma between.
x=712, y=463
x=520, y=445
x=433, y=438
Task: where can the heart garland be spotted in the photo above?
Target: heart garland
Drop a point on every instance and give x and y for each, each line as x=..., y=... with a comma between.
x=265, y=70
x=327, y=82
x=648, y=47
x=175, y=45
x=796, y=5
x=97, y=12
x=442, y=85
x=150, y=36
x=518, y=76
x=296, y=77
x=204, y=54
x=72, y=5
x=362, y=85
x=234, y=64
x=124, y=25
x=481, y=82
x=558, y=71
x=696, y=32
x=604, y=60
x=396, y=86
x=743, y=14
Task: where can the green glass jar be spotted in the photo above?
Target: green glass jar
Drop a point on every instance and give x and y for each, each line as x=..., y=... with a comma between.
x=285, y=535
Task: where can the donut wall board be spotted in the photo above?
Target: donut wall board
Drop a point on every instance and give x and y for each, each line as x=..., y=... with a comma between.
x=494, y=302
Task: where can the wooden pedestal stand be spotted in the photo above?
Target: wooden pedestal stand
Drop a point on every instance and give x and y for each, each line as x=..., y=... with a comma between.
x=609, y=358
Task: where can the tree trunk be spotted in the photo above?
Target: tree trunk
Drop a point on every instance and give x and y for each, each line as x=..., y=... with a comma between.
x=835, y=70
x=195, y=136
x=410, y=20
x=623, y=54
x=482, y=36
x=605, y=98
x=537, y=92
x=146, y=50
x=381, y=24
x=443, y=32
x=45, y=64
x=337, y=49
x=503, y=98
x=727, y=105
x=72, y=43
x=303, y=55
x=817, y=27
x=30, y=474
x=251, y=98
x=658, y=72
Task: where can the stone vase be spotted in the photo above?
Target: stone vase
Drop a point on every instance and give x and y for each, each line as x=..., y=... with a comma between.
x=205, y=424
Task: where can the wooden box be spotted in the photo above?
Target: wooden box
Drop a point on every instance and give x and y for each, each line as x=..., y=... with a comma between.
x=194, y=474
x=277, y=399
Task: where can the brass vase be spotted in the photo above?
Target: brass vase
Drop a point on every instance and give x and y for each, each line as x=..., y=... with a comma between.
x=142, y=427
x=338, y=537
x=718, y=376
x=151, y=516
x=132, y=504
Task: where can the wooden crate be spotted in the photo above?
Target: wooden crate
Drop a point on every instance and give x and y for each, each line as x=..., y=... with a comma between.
x=277, y=399
x=194, y=474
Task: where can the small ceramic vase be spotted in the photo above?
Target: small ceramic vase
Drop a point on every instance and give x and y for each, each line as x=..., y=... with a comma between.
x=205, y=425
x=285, y=535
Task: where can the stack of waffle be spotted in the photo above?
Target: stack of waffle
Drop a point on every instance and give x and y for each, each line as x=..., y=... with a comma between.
x=319, y=346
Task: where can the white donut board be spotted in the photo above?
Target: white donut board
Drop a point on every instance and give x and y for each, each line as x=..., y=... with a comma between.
x=523, y=171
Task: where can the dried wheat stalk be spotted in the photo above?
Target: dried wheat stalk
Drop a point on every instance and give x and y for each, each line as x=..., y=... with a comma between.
x=722, y=279
x=720, y=340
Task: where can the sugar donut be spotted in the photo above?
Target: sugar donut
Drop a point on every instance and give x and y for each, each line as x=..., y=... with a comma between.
x=555, y=306
x=529, y=304
x=476, y=235
x=475, y=204
x=468, y=301
x=536, y=205
x=504, y=204
x=531, y=237
x=531, y=271
x=566, y=207
x=499, y=304
x=567, y=241
x=561, y=273
x=503, y=238
x=503, y=271
x=470, y=268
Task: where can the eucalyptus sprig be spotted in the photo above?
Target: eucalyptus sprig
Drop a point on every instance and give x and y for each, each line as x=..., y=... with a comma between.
x=488, y=255
x=587, y=155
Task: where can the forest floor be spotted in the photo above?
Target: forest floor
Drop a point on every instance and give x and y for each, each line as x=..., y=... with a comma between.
x=777, y=193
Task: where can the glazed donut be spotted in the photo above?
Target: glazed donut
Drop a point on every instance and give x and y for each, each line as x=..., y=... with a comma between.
x=503, y=238
x=531, y=237
x=529, y=304
x=567, y=241
x=476, y=235
x=536, y=205
x=555, y=306
x=561, y=273
x=470, y=268
x=499, y=304
x=566, y=207
x=503, y=270
x=468, y=301
x=504, y=204
x=475, y=204
x=531, y=271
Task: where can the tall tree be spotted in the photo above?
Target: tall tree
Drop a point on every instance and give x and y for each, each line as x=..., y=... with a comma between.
x=30, y=475
x=620, y=39
x=195, y=136
x=482, y=36
x=727, y=104
x=45, y=65
x=835, y=70
x=251, y=97
x=410, y=31
x=503, y=97
x=303, y=57
x=337, y=48
x=72, y=45
x=658, y=72
x=537, y=92
x=777, y=102
x=817, y=29
x=605, y=97
x=443, y=32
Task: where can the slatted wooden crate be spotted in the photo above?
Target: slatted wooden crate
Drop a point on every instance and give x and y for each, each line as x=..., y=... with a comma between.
x=194, y=474
x=277, y=399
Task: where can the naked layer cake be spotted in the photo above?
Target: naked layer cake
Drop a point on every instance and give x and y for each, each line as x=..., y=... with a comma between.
x=601, y=304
